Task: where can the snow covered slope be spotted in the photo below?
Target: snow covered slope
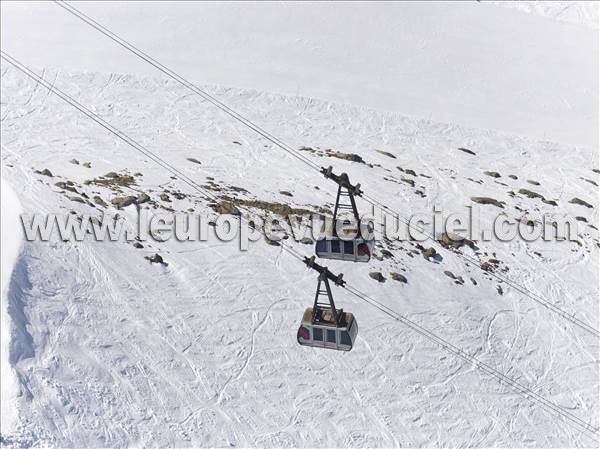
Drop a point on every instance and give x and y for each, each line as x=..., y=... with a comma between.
x=11, y=241
x=202, y=352
x=470, y=63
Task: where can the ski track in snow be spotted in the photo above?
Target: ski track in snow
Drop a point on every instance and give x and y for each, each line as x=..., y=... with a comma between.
x=202, y=352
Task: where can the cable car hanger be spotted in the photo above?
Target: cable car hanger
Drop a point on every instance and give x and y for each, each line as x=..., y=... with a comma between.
x=324, y=276
x=345, y=189
x=337, y=247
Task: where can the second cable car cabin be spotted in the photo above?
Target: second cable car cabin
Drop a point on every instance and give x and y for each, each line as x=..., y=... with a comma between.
x=323, y=325
x=356, y=250
x=334, y=247
x=325, y=333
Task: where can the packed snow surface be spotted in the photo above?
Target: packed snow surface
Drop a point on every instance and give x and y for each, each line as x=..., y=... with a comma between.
x=111, y=350
x=469, y=63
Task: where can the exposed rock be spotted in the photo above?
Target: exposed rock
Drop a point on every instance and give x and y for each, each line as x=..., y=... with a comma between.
x=99, y=201
x=142, y=198
x=157, y=258
x=353, y=157
x=123, y=201
x=409, y=171
x=66, y=186
x=236, y=189
x=490, y=265
x=272, y=242
x=77, y=199
x=531, y=181
x=499, y=289
x=74, y=161
x=225, y=208
x=455, y=241
x=45, y=172
x=113, y=181
x=137, y=245
x=410, y=182
x=385, y=153
x=386, y=254
x=487, y=200
x=87, y=165
x=551, y=202
x=337, y=154
x=194, y=160
x=399, y=277
x=165, y=197
x=285, y=192
x=580, y=202
x=493, y=174
x=277, y=208
x=377, y=276
x=513, y=176
x=457, y=279
x=530, y=194
x=465, y=150
x=581, y=219
x=429, y=253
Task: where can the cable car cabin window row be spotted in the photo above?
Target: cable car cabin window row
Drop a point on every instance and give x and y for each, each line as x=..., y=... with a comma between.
x=357, y=250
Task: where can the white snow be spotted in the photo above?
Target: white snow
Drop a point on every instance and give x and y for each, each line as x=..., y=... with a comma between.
x=11, y=242
x=584, y=13
x=112, y=351
x=469, y=63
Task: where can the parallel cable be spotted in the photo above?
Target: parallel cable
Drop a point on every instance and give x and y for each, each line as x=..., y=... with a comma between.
x=295, y=153
x=570, y=419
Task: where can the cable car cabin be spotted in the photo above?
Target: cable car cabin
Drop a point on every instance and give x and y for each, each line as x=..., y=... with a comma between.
x=357, y=250
x=322, y=332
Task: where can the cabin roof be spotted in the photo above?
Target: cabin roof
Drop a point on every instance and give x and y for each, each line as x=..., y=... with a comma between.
x=307, y=319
